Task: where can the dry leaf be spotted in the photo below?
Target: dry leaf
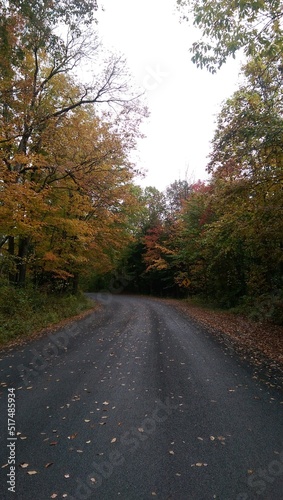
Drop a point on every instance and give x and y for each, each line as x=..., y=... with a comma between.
x=54, y=495
x=53, y=443
x=140, y=429
x=113, y=440
x=171, y=452
x=48, y=465
x=32, y=472
x=72, y=436
x=24, y=465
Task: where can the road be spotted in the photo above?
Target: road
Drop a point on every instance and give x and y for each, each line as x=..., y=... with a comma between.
x=136, y=402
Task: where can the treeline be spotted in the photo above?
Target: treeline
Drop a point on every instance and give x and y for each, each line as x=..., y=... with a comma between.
x=66, y=181
x=222, y=240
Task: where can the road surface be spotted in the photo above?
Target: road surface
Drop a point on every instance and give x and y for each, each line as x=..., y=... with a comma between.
x=136, y=402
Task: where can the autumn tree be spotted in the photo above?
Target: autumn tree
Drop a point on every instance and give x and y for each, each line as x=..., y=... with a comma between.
x=246, y=162
x=59, y=164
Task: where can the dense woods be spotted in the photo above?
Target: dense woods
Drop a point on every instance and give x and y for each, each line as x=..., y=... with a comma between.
x=66, y=178
x=222, y=239
x=70, y=209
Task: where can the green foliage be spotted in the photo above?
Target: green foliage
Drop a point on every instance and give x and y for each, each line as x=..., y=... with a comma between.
x=24, y=311
x=228, y=26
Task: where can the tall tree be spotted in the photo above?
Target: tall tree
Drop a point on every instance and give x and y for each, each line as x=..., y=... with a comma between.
x=42, y=44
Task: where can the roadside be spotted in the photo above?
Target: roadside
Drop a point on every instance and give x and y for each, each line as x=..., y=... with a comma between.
x=259, y=343
x=27, y=314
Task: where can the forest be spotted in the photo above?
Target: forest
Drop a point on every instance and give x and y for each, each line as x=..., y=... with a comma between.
x=72, y=215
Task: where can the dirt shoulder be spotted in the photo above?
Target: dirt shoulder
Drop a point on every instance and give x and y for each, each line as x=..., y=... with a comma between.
x=260, y=343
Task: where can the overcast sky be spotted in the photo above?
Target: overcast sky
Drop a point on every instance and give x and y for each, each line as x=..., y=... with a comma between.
x=183, y=101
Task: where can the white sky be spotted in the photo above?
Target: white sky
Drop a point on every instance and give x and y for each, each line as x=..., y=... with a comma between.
x=183, y=101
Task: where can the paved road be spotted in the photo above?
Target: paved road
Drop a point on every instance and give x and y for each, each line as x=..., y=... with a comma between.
x=136, y=402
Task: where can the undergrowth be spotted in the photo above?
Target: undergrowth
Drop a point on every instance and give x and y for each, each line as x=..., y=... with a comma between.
x=25, y=311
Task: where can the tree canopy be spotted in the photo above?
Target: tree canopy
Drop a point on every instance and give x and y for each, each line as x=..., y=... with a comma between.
x=255, y=26
x=66, y=177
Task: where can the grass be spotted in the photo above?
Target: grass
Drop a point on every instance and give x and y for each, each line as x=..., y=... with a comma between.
x=24, y=312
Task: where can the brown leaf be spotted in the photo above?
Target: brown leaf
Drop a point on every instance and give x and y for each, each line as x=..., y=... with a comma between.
x=73, y=436
x=48, y=465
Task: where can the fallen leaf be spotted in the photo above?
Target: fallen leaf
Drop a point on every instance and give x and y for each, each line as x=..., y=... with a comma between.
x=106, y=403
x=171, y=452
x=53, y=443
x=66, y=476
x=140, y=429
x=24, y=465
x=113, y=440
x=32, y=472
x=54, y=495
x=48, y=465
x=86, y=420
x=73, y=436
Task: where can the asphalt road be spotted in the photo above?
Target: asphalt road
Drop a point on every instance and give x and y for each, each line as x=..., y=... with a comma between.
x=136, y=402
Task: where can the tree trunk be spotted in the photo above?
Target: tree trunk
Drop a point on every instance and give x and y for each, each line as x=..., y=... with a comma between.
x=75, y=283
x=11, y=250
x=21, y=264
